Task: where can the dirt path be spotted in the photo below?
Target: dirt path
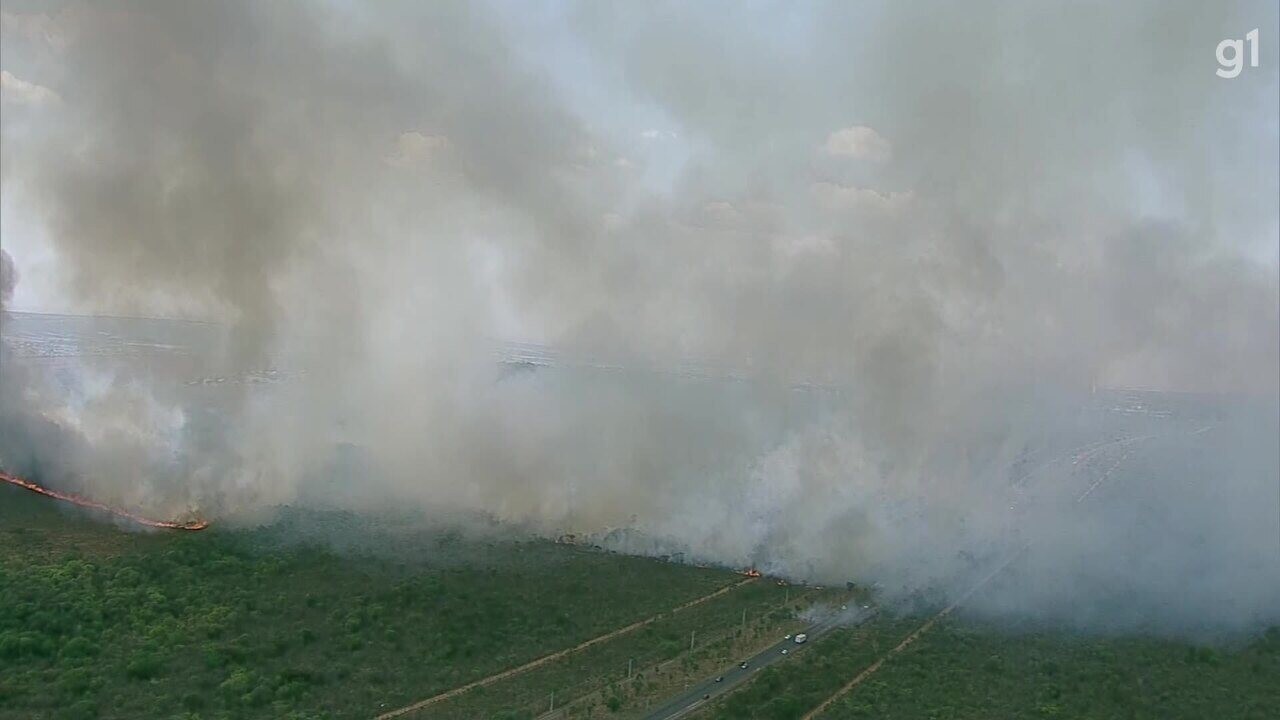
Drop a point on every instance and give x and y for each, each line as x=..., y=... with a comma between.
x=556, y=655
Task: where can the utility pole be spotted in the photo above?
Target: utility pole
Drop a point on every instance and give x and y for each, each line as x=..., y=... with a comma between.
x=629, y=660
x=691, y=634
x=553, y=702
x=744, y=618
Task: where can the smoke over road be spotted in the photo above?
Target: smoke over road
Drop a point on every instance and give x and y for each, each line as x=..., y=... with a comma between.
x=916, y=236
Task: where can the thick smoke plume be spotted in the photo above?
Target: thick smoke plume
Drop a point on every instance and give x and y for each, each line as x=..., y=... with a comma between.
x=902, y=245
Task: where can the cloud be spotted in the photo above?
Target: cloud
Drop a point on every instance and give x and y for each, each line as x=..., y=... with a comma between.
x=861, y=200
x=791, y=247
x=414, y=147
x=859, y=143
x=8, y=278
x=51, y=32
x=652, y=134
x=20, y=92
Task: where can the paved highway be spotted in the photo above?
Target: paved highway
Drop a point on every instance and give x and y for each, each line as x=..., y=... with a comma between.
x=707, y=690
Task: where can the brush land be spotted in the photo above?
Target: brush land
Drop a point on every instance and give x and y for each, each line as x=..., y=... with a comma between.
x=960, y=669
x=97, y=621
x=322, y=615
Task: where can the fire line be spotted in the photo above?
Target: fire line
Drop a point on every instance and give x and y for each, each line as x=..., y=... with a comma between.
x=191, y=525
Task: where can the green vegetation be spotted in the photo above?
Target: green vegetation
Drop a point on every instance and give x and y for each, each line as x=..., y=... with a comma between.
x=320, y=615
x=587, y=683
x=100, y=622
x=960, y=670
x=788, y=690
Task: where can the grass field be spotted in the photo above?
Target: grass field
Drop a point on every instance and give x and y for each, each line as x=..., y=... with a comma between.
x=98, y=621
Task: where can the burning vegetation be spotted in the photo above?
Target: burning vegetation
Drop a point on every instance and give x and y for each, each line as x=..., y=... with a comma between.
x=190, y=525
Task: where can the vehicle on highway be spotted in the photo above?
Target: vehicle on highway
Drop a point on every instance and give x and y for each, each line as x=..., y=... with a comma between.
x=784, y=651
x=743, y=665
x=801, y=638
x=788, y=637
x=719, y=678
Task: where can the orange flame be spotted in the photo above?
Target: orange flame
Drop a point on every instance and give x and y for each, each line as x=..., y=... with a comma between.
x=85, y=502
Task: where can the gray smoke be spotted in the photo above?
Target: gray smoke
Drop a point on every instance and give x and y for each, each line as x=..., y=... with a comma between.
x=914, y=236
